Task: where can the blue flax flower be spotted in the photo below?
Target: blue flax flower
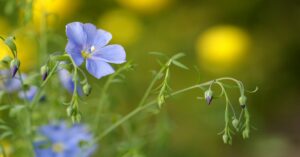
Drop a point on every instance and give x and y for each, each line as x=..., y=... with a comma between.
x=29, y=94
x=86, y=42
x=66, y=79
x=9, y=84
x=63, y=141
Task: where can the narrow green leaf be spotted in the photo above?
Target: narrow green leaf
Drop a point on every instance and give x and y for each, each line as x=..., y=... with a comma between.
x=180, y=65
x=9, y=41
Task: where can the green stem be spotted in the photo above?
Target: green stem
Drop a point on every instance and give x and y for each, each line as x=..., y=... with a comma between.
x=103, y=92
x=141, y=108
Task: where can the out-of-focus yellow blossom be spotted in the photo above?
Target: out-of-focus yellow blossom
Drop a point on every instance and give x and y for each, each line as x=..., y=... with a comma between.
x=56, y=11
x=145, y=6
x=27, y=50
x=4, y=27
x=7, y=148
x=124, y=26
x=222, y=47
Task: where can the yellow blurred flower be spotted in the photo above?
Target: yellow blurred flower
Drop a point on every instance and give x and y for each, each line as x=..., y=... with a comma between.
x=56, y=11
x=145, y=6
x=27, y=50
x=222, y=47
x=4, y=27
x=124, y=26
x=7, y=148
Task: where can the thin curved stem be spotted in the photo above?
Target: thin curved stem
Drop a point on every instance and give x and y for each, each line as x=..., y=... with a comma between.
x=142, y=108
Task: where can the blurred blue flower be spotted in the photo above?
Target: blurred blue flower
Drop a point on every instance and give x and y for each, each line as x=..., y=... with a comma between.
x=9, y=84
x=85, y=41
x=64, y=141
x=29, y=94
x=66, y=79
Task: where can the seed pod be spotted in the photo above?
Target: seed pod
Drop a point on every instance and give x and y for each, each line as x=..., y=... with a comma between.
x=14, y=67
x=208, y=96
x=243, y=100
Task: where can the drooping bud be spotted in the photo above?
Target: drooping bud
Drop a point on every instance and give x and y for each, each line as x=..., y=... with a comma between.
x=246, y=133
x=44, y=72
x=243, y=100
x=160, y=100
x=235, y=123
x=87, y=89
x=225, y=138
x=14, y=66
x=208, y=96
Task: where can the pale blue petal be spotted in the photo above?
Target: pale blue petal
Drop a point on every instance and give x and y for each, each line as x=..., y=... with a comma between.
x=111, y=53
x=75, y=52
x=91, y=32
x=101, y=38
x=98, y=68
x=29, y=94
x=76, y=33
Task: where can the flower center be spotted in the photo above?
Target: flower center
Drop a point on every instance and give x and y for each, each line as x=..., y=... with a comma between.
x=58, y=147
x=87, y=53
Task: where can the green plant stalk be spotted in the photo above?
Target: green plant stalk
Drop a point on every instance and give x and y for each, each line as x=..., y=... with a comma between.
x=104, y=90
x=141, y=108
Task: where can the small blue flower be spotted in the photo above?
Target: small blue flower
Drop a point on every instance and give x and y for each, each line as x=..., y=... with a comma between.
x=29, y=94
x=9, y=84
x=63, y=141
x=66, y=79
x=86, y=42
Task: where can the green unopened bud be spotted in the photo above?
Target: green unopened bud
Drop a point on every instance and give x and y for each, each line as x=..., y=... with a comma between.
x=246, y=133
x=44, y=72
x=161, y=100
x=208, y=96
x=243, y=100
x=87, y=89
x=14, y=66
x=235, y=123
x=225, y=138
x=70, y=111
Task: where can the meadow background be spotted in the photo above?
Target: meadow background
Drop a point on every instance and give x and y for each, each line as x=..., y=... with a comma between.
x=262, y=48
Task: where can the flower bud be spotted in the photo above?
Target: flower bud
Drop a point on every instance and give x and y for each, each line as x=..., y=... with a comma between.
x=243, y=100
x=208, y=96
x=161, y=100
x=235, y=123
x=225, y=138
x=70, y=111
x=246, y=133
x=44, y=72
x=14, y=66
x=87, y=89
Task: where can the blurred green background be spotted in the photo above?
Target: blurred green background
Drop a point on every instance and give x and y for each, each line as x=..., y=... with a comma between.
x=256, y=41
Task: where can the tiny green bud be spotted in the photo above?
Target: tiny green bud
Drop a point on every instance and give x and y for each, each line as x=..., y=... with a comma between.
x=44, y=72
x=69, y=111
x=243, y=100
x=246, y=133
x=235, y=123
x=208, y=96
x=160, y=100
x=14, y=66
x=87, y=89
x=225, y=138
